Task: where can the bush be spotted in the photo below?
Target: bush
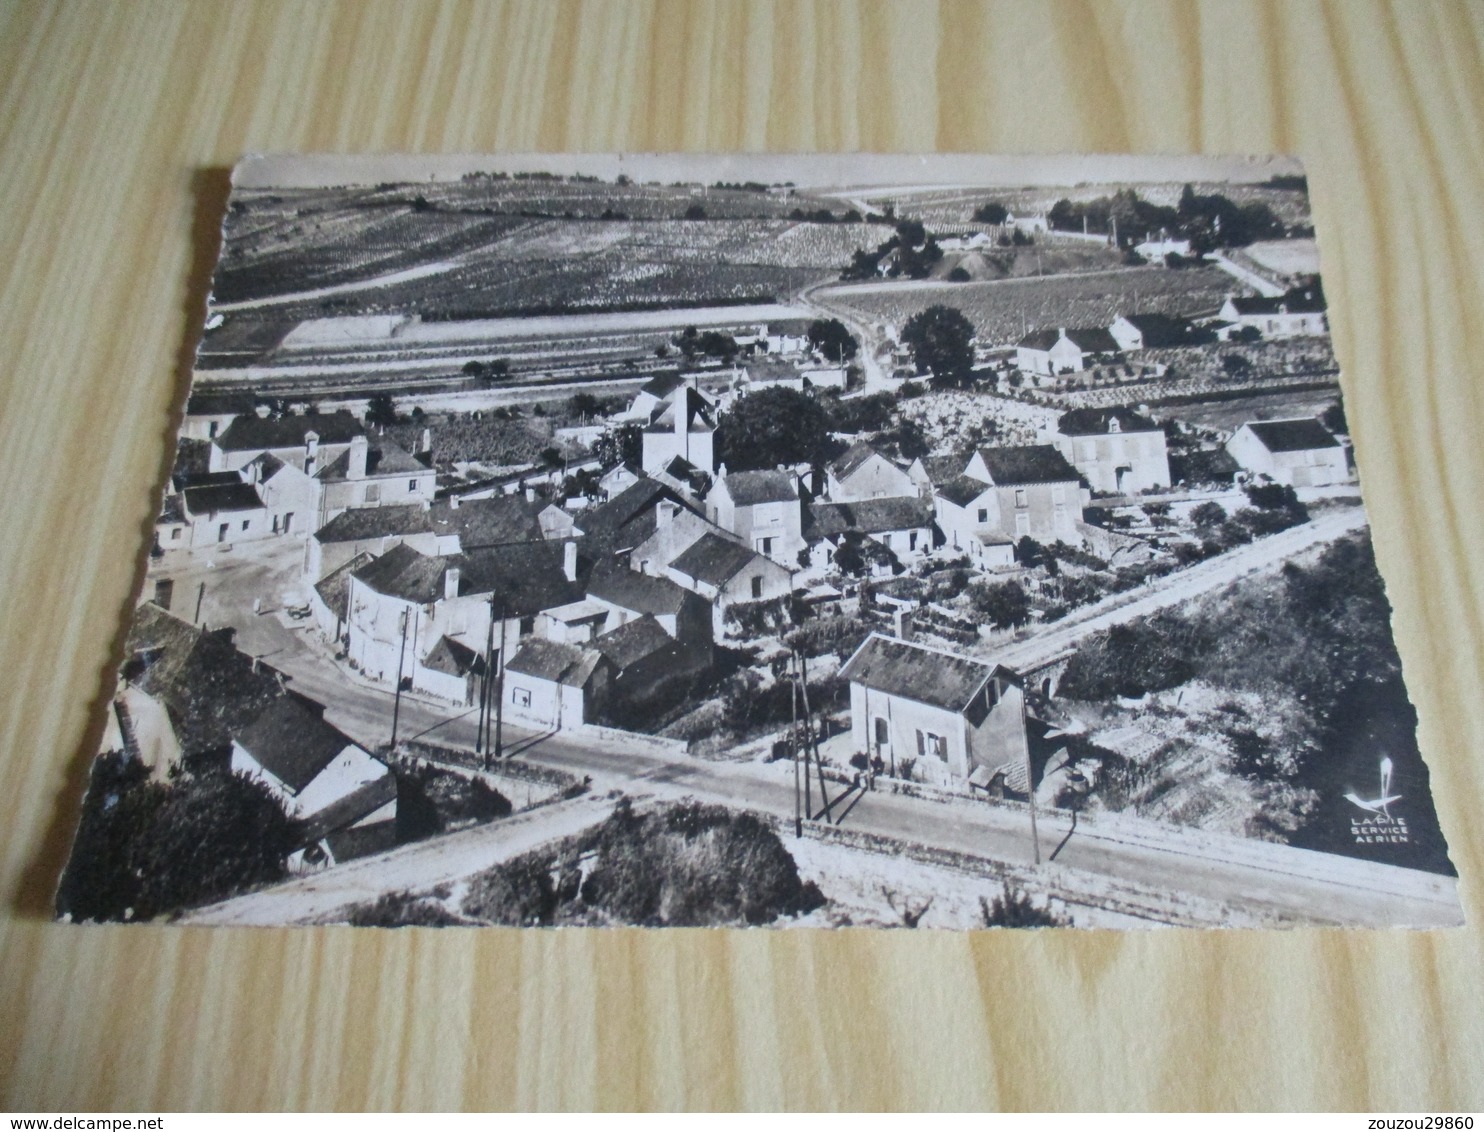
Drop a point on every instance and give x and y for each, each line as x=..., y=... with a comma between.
x=402, y=910
x=1014, y=909
x=1006, y=604
x=684, y=865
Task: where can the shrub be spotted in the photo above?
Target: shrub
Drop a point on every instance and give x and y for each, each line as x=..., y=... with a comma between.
x=1014, y=909
x=402, y=910
x=1006, y=604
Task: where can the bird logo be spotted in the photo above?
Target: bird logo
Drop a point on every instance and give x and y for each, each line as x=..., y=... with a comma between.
x=1381, y=804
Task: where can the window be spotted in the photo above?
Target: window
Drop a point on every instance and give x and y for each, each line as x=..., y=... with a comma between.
x=527, y=626
x=520, y=697
x=221, y=532
x=883, y=732
x=911, y=540
x=412, y=485
x=765, y=546
x=757, y=588
x=211, y=430
x=984, y=514
x=1022, y=497
x=930, y=744
x=309, y=465
x=373, y=492
x=275, y=524
x=245, y=523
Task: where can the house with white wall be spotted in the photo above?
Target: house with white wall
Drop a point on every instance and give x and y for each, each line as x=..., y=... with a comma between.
x=1299, y=453
x=727, y=573
x=862, y=472
x=1048, y=353
x=949, y=715
x=1114, y=450
x=763, y=509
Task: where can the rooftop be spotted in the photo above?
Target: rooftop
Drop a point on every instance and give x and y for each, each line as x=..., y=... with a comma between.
x=250, y=431
x=217, y=499
x=1293, y=436
x=385, y=459
x=852, y=459
x=1028, y=463
x=961, y=490
x=640, y=593
x=292, y=741
x=871, y=516
x=713, y=559
x=749, y=488
x=551, y=660
x=928, y=676
x=1089, y=422
x=633, y=641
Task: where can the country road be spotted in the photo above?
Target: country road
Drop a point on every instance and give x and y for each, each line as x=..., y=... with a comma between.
x=1291, y=883
x=1269, y=552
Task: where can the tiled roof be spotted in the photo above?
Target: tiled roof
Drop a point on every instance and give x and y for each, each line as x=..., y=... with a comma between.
x=386, y=459
x=641, y=593
x=334, y=587
x=360, y=523
x=695, y=407
x=453, y=658
x=1093, y=340
x=525, y=577
x=961, y=490
x=1293, y=436
x=551, y=660
x=628, y=518
x=662, y=385
x=927, y=676
x=871, y=516
x=250, y=432
x=1300, y=300
x=1029, y=463
x=1040, y=340
x=404, y=573
x=748, y=488
x=172, y=508
x=1089, y=422
x=713, y=559
x=210, y=688
x=1160, y=329
x=633, y=641
x=292, y=741
x=853, y=457
x=217, y=499
x=940, y=469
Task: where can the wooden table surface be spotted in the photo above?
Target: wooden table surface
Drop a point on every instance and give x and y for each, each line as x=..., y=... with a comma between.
x=116, y=120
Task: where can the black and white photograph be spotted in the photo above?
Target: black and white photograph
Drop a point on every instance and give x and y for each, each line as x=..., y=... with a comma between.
x=950, y=542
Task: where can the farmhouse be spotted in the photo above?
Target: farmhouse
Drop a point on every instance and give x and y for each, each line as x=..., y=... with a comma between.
x=366, y=476
x=344, y=799
x=214, y=509
x=945, y=715
x=1047, y=353
x=864, y=473
x=1300, y=453
x=628, y=595
x=1114, y=450
x=727, y=574
x=1150, y=331
x=551, y=686
x=903, y=526
x=207, y=415
x=1156, y=250
x=762, y=509
x=682, y=423
x=1038, y=493
x=309, y=441
x=1299, y=311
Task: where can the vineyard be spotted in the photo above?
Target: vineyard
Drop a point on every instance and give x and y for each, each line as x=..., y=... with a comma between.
x=1003, y=311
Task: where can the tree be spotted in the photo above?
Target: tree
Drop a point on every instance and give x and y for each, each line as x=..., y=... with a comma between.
x=622, y=445
x=583, y=405
x=1208, y=515
x=381, y=410
x=695, y=212
x=992, y=212
x=1014, y=909
x=1006, y=604
x=775, y=426
x=1334, y=419
x=832, y=339
x=940, y=339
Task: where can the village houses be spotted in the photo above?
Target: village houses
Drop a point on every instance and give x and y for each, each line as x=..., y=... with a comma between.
x=861, y=472
x=1006, y=494
x=901, y=526
x=952, y=718
x=1299, y=453
x=763, y=509
x=1114, y=450
x=1048, y=353
x=1300, y=311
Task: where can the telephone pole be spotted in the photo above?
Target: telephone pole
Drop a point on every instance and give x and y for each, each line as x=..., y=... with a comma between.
x=397, y=694
x=809, y=735
x=500, y=692
x=793, y=739
x=1030, y=782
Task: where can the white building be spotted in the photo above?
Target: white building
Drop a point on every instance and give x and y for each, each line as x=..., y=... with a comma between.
x=1114, y=450
x=1300, y=453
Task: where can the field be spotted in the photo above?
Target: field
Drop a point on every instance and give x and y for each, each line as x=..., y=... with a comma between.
x=1227, y=416
x=504, y=247
x=1004, y=310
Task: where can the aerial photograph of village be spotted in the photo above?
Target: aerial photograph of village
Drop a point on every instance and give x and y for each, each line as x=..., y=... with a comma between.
x=919, y=542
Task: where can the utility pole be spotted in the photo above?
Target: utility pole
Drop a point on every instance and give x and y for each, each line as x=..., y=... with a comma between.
x=809, y=734
x=1030, y=782
x=200, y=593
x=486, y=681
x=500, y=691
x=793, y=738
x=397, y=694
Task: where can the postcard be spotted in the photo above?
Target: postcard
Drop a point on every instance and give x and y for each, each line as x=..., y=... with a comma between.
x=939, y=541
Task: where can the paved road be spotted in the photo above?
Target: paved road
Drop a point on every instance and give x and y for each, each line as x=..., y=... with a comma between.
x=419, y=866
x=1266, y=553
x=1278, y=879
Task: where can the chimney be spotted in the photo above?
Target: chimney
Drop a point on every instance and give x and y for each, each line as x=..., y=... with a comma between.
x=451, y=583
x=427, y=441
x=262, y=411
x=901, y=623
x=359, y=449
x=1061, y=331
x=569, y=561
x=453, y=502
x=664, y=511
x=530, y=495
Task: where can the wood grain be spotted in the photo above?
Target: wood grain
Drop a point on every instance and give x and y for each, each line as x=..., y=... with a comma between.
x=110, y=113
